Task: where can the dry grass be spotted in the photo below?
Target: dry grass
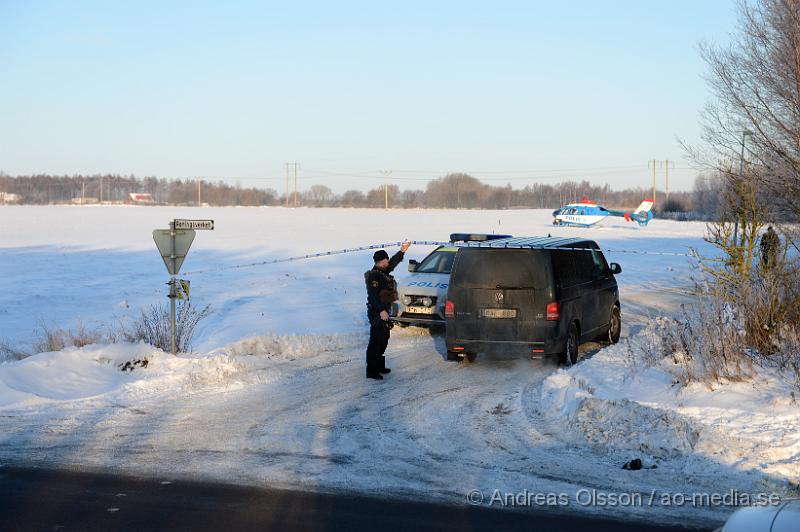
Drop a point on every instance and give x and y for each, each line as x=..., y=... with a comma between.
x=49, y=339
x=152, y=327
x=10, y=352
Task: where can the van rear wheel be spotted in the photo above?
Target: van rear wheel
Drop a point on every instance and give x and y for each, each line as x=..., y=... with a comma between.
x=453, y=356
x=570, y=354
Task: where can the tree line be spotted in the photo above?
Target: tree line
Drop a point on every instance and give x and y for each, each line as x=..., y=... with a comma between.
x=44, y=189
x=452, y=191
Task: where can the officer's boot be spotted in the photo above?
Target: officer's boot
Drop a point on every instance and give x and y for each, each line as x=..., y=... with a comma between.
x=373, y=368
x=383, y=369
x=374, y=374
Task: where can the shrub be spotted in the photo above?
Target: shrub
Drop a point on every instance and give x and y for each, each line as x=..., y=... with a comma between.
x=154, y=326
x=748, y=310
x=706, y=343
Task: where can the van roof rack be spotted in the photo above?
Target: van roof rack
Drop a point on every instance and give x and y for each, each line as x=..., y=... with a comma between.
x=536, y=242
x=475, y=237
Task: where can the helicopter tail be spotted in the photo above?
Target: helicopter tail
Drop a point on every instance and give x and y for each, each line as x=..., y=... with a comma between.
x=643, y=213
x=644, y=206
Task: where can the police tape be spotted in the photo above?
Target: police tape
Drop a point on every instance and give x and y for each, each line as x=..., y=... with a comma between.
x=319, y=254
x=421, y=243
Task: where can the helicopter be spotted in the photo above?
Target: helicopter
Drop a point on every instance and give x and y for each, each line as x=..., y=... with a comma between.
x=587, y=213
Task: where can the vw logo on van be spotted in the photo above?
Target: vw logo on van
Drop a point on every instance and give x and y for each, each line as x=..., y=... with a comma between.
x=498, y=296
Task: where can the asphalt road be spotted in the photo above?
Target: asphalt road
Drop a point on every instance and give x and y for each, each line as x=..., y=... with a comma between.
x=52, y=500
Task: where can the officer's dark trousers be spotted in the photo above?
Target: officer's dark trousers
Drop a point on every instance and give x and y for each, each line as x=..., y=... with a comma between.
x=378, y=340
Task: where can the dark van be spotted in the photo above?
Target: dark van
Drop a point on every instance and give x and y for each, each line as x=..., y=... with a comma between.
x=536, y=296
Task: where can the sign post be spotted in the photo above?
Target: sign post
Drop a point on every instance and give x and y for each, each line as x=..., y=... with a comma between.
x=175, y=269
x=173, y=244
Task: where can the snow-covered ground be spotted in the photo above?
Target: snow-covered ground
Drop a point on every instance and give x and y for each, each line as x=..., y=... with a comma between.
x=275, y=392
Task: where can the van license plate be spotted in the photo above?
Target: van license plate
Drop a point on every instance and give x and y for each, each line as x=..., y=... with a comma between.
x=420, y=310
x=499, y=313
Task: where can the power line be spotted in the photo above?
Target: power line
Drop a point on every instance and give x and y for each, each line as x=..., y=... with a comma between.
x=513, y=171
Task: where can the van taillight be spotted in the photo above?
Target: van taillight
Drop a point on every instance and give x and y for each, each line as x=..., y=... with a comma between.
x=552, y=311
x=449, y=309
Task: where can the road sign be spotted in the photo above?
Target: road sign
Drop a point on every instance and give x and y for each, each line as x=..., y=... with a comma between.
x=173, y=244
x=173, y=251
x=194, y=224
x=182, y=288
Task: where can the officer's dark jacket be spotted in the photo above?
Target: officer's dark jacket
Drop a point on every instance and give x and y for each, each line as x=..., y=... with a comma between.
x=770, y=241
x=381, y=287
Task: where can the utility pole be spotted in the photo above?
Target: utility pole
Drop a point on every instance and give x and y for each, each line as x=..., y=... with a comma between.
x=654, y=179
x=386, y=174
x=295, y=184
x=101, y=190
x=83, y=192
x=199, y=202
x=286, y=165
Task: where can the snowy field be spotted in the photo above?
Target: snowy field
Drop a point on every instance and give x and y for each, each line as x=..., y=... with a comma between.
x=275, y=392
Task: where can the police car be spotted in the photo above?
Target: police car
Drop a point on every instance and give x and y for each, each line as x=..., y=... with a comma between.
x=422, y=295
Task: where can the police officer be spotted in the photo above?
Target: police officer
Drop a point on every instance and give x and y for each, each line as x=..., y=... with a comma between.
x=770, y=242
x=381, y=293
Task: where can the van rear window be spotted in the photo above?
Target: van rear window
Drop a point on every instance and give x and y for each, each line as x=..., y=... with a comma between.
x=506, y=268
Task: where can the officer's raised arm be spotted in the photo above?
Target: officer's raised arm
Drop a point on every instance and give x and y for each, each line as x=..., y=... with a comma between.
x=397, y=258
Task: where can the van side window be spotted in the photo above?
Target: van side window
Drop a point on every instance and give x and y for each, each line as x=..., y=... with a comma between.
x=599, y=265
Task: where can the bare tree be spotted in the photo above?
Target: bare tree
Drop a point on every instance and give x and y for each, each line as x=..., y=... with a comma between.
x=751, y=134
x=755, y=83
x=320, y=196
x=353, y=198
x=708, y=193
x=378, y=195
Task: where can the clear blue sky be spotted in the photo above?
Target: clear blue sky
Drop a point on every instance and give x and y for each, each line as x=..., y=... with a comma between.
x=519, y=90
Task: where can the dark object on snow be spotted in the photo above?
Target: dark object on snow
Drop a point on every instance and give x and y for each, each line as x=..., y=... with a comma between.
x=131, y=365
x=633, y=465
x=770, y=242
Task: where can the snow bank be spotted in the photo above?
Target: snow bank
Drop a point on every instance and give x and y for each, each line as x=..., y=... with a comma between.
x=617, y=424
x=123, y=370
x=622, y=398
x=129, y=371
